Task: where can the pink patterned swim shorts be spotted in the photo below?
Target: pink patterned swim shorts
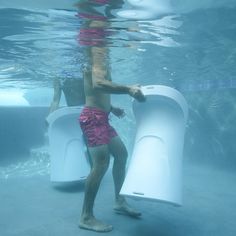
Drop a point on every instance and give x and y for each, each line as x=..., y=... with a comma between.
x=94, y=123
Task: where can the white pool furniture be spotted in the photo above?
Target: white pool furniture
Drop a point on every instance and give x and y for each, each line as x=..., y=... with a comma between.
x=66, y=145
x=155, y=168
x=145, y=9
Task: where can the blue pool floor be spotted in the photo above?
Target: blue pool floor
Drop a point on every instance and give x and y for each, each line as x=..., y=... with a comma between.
x=32, y=206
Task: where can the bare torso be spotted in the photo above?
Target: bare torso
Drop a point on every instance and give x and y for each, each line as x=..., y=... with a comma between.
x=93, y=97
x=98, y=57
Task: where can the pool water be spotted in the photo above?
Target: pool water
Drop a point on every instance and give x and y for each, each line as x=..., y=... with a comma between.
x=192, y=50
x=190, y=46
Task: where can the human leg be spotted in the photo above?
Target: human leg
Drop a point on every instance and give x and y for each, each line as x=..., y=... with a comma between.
x=100, y=158
x=119, y=152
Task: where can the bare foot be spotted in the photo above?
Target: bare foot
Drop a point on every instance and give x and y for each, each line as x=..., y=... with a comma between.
x=124, y=209
x=95, y=225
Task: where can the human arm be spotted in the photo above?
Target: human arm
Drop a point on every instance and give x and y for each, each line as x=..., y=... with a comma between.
x=110, y=87
x=100, y=77
x=56, y=96
x=119, y=112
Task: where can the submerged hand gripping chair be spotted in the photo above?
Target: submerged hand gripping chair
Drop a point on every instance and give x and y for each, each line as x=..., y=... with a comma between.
x=155, y=168
x=67, y=148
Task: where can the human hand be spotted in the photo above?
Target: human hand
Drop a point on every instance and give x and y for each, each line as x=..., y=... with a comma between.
x=118, y=112
x=136, y=92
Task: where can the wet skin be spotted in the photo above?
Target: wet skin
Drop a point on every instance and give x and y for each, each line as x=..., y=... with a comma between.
x=98, y=87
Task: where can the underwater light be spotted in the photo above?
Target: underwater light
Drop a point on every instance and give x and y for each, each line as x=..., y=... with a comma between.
x=12, y=98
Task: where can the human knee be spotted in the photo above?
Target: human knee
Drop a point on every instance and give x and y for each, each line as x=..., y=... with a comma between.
x=121, y=159
x=124, y=158
x=124, y=155
x=101, y=167
x=120, y=153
